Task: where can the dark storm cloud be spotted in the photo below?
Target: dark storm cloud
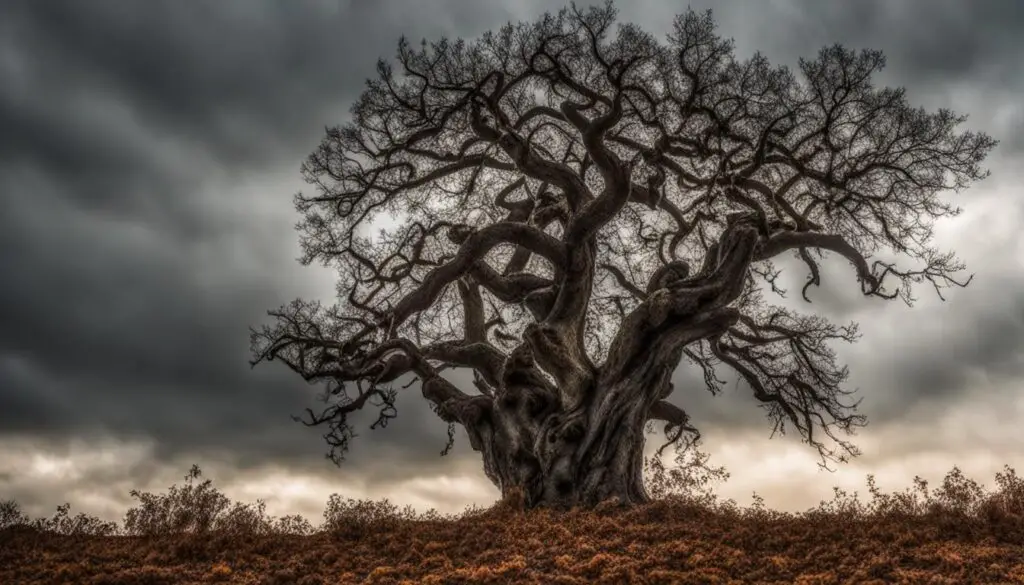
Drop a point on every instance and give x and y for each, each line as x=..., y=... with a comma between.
x=244, y=81
x=129, y=281
x=927, y=40
x=939, y=40
x=241, y=79
x=106, y=326
x=964, y=55
x=148, y=152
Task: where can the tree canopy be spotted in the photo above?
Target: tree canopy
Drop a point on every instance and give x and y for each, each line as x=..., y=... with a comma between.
x=578, y=206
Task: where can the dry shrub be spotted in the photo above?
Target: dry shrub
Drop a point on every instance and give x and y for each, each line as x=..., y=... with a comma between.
x=609, y=507
x=292, y=524
x=899, y=505
x=192, y=509
x=246, y=519
x=351, y=518
x=690, y=482
x=202, y=509
x=11, y=515
x=80, y=525
x=954, y=534
x=1006, y=507
x=959, y=495
x=13, y=520
x=843, y=506
x=511, y=503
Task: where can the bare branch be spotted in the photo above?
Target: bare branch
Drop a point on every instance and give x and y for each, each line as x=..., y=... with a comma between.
x=607, y=197
x=677, y=419
x=473, y=247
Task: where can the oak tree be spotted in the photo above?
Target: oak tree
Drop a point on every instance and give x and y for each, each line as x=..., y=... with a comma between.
x=578, y=206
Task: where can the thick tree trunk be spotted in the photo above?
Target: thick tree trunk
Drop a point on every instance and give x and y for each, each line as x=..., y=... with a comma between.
x=581, y=443
x=561, y=458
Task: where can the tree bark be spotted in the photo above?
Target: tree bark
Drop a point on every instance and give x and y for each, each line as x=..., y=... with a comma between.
x=558, y=458
x=585, y=445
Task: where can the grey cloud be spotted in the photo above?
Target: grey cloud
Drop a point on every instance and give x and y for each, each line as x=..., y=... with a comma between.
x=935, y=40
x=964, y=55
x=240, y=79
x=245, y=80
x=926, y=41
x=948, y=53
x=147, y=159
x=120, y=123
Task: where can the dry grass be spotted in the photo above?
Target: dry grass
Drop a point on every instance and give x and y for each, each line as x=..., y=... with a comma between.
x=958, y=534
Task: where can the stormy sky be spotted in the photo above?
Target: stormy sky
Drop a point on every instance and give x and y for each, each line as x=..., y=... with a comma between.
x=149, y=152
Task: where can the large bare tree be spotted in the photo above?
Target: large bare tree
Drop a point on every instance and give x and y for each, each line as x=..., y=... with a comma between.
x=576, y=207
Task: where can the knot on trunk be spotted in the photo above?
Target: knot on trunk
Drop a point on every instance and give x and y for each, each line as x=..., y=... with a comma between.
x=549, y=208
x=568, y=429
x=459, y=233
x=520, y=375
x=520, y=360
x=542, y=299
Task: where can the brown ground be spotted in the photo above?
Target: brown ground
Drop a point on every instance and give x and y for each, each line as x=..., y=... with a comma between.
x=668, y=541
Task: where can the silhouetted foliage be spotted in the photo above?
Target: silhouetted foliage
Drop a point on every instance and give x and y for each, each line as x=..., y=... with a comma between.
x=578, y=207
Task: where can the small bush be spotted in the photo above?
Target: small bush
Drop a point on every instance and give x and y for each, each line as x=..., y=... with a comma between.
x=192, y=509
x=357, y=518
x=11, y=515
x=80, y=525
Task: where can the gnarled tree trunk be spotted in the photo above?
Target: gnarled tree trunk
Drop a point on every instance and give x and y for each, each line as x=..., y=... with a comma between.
x=563, y=445
x=563, y=458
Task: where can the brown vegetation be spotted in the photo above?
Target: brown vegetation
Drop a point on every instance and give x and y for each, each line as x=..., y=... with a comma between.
x=957, y=534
